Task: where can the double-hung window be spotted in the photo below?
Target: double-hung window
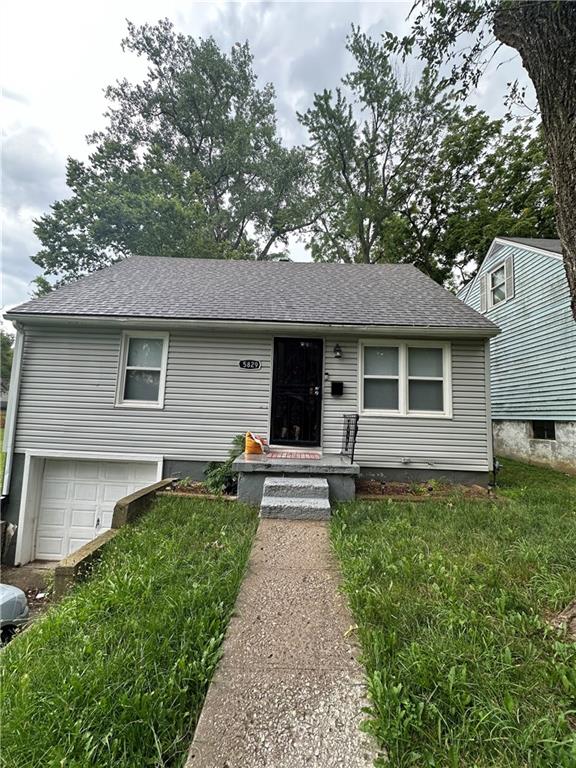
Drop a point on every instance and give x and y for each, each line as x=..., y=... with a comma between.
x=381, y=378
x=405, y=378
x=426, y=379
x=142, y=372
x=497, y=286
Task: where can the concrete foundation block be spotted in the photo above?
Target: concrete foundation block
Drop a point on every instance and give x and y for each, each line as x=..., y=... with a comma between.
x=295, y=508
x=251, y=486
x=298, y=487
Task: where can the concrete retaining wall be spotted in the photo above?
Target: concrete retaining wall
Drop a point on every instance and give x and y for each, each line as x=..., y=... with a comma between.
x=78, y=565
x=515, y=439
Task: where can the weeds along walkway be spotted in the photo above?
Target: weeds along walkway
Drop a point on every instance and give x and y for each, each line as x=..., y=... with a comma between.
x=288, y=692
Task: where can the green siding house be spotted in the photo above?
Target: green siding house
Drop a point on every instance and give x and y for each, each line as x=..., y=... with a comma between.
x=522, y=287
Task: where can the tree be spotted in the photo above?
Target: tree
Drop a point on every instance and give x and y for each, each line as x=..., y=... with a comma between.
x=407, y=174
x=6, y=355
x=189, y=165
x=544, y=34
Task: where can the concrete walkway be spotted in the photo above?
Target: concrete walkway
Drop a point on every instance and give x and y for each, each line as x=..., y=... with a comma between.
x=288, y=692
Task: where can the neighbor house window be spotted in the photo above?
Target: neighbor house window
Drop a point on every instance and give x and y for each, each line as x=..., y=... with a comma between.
x=142, y=369
x=544, y=430
x=497, y=285
x=405, y=378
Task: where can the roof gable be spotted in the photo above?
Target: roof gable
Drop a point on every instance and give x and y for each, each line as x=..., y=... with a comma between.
x=548, y=247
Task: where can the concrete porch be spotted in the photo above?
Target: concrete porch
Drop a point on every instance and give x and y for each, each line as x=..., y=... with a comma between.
x=337, y=470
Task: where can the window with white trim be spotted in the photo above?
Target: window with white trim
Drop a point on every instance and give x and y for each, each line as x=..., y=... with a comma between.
x=497, y=285
x=142, y=372
x=405, y=378
x=381, y=378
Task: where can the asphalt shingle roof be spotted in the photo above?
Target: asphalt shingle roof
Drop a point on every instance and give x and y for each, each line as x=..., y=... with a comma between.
x=205, y=289
x=545, y=243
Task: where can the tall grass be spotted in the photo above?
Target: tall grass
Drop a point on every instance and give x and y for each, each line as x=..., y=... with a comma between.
x=452, y=600
x=117, y=673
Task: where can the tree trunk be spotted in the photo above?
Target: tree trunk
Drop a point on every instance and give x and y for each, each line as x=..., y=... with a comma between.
x=544, y=34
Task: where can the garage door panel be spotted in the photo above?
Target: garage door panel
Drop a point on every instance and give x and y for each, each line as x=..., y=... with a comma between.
x=87, y=470
x=49, y=547
x=85, y=491
x=77, y=501
x=56, y=490
x=111, y=493
x=62, y=469
x=141, y=474
x=116, y=472
x=54, y=516
x=85, y=518
x=106, y=520
x=75, y=543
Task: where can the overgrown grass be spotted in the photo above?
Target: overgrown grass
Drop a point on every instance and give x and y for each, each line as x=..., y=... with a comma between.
x=451, y=599
x=116, y=674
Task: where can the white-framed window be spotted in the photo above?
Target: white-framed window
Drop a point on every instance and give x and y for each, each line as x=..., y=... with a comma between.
x=405, y=378
x=142, y=371
x=497, y=285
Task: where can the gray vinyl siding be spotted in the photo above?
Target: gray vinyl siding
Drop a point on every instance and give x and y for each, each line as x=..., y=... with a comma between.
x=533, y=361
x=456, y=443
x=68, y=388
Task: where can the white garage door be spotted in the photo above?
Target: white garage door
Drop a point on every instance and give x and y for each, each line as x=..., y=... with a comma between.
x=78, y=499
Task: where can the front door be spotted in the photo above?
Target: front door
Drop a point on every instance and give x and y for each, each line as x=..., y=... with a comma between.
x=297, y=392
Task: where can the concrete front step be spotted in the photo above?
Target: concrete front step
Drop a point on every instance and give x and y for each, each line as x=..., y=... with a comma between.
x=295, y=508
x=296, y=487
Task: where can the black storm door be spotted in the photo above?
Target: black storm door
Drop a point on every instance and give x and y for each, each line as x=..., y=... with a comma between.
x=296, y=392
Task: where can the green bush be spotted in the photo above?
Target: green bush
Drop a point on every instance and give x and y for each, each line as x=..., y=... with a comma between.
x=219, y=475
x=116, y=674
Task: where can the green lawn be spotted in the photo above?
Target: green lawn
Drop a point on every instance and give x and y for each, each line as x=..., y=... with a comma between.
x=117, y=673
x=451, y=600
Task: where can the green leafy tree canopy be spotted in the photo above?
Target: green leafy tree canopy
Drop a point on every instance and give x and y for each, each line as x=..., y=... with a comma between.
x=408, y=174
x=464, y=34
x=6, y=355
x=189, y=164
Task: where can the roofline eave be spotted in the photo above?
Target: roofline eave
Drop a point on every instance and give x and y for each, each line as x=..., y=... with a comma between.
x=277, y=326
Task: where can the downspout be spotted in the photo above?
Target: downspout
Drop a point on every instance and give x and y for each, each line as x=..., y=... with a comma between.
x=12, y=408
x=492, y=462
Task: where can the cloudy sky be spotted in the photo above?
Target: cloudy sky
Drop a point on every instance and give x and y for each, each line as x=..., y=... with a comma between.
x=58, y=56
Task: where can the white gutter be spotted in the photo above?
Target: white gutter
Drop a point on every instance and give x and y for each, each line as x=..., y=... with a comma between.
x=12, y=408
x=257, y=325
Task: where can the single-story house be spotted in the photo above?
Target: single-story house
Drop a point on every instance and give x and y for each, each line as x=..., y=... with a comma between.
x=148, y=368
x=521, y=285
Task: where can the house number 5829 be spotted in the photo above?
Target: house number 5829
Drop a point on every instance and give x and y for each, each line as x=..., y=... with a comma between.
x=249, y=364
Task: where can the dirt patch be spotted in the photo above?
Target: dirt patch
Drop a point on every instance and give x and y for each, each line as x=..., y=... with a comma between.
x=195, y=488
x=432, y=489
x=566, y=621
x=191, y=487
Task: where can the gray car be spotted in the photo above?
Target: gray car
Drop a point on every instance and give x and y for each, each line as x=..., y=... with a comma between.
x=13, y=611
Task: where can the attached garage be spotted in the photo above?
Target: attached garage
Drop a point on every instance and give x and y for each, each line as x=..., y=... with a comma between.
x=75, y=500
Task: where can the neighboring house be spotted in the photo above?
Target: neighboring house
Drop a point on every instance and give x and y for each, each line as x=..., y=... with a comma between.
x=522, y=287
x=149, y=368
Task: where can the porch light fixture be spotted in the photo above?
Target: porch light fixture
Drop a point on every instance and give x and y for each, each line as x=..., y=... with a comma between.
x=337, y=350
